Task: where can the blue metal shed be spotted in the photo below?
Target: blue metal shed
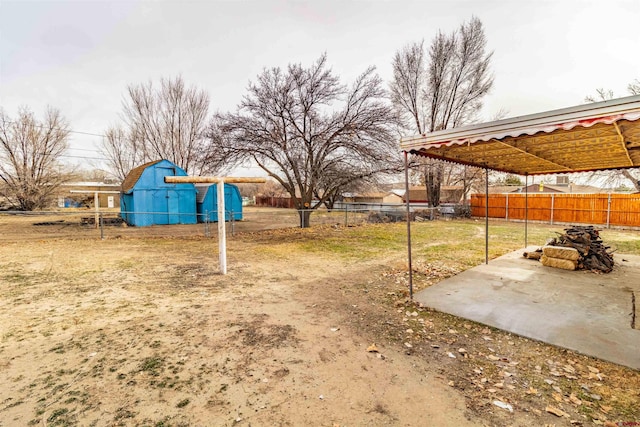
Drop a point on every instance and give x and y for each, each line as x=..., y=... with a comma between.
x=145, y=198
x=207, y=202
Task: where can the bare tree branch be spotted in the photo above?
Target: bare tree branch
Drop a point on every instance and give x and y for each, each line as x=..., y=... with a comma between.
x=121, y=151
x=310, y=133
x=601, y=95
x=165, y=122
x=30, y=150
x=616, y=178
x=442, y=91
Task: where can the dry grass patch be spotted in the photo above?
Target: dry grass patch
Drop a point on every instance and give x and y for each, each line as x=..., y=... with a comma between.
x=143, y=331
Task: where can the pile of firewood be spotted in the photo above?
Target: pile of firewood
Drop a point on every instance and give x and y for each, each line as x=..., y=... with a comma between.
x=592, y=254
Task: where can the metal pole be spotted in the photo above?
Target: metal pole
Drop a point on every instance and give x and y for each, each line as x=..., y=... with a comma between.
x=608, y=210
x=486, y=216
x=346, y=215
x=526, y=209
x=101, y=227
x=406, y=196
x=96, y=203
x=222, y=232
x=553, y=200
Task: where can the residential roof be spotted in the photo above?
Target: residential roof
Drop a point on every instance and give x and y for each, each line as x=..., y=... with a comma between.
x=500, y=189
x=90, y=184
x=448, y=194
x=540, y=188
x=546, y=188
x=596, y=136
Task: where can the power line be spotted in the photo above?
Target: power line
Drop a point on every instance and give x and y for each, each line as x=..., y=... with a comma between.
x=59, y=128
x=83, y=157
x=84, y=149
x=79, y=157
x=87, y=133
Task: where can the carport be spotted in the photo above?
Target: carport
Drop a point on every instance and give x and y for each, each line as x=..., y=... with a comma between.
x=590, y=137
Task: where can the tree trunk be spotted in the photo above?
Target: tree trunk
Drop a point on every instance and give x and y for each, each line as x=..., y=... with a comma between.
x=634, y=181
x=433, y=182
x=304, y=215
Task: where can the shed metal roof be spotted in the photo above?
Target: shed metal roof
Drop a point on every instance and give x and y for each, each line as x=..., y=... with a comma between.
x=596, y=136
x=201, y=191
x=134, y=175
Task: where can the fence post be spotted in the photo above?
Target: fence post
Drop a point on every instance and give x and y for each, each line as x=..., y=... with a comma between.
x=506, y=214
x=233, y=224
x=553, y=200
x=346, y=215
x=608, y=210
x=101, y=226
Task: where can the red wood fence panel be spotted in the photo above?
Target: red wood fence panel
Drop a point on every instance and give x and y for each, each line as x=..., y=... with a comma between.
x=276, y=202
x=606, y=209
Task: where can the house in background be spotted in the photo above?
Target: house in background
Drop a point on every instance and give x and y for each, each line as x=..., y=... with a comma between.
x=561, y=186
x=449, y=194
x=373, y=197
x=147, y=200
x=83, y=194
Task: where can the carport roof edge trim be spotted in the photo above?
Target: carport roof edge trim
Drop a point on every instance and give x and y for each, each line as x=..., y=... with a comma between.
x=513, y=132
x=586, y=115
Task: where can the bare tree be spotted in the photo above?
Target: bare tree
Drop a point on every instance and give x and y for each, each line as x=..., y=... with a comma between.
x=309, y=132
x=408, y=86
x=601, y=95
x=622, y=177
x=30, y=150
x=271, y=188
x=463, y=176
x=441, y=88
x=122, y=151
x=160, y=122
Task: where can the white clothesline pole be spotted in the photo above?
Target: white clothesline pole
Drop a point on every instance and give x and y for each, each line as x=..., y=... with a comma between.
x=222, y=229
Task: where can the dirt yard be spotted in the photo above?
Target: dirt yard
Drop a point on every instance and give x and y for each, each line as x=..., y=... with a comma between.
x=309, y=327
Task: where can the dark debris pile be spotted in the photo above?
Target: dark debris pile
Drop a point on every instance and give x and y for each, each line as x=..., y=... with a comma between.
x=594, y=255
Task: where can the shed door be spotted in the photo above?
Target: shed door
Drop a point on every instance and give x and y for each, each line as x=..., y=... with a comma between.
x=173, y=207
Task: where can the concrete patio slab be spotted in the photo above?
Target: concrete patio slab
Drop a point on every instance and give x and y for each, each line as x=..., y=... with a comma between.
x=579, y=310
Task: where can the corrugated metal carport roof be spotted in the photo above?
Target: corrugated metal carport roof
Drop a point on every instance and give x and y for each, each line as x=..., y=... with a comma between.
x=597, y=136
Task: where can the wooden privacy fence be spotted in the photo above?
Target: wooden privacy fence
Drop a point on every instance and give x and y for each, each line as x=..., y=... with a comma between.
x=607, y=209
x=275, y=202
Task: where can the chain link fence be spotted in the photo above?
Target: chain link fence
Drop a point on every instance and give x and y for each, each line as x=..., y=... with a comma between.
x=109, y=223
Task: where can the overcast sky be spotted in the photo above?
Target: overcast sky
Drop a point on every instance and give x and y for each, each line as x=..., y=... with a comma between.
x=79, y=56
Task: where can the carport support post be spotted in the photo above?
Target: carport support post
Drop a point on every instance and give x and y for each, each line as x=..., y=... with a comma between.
x=222, y=229
x=486, y=216
x=406, y=196
x=526, y=209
